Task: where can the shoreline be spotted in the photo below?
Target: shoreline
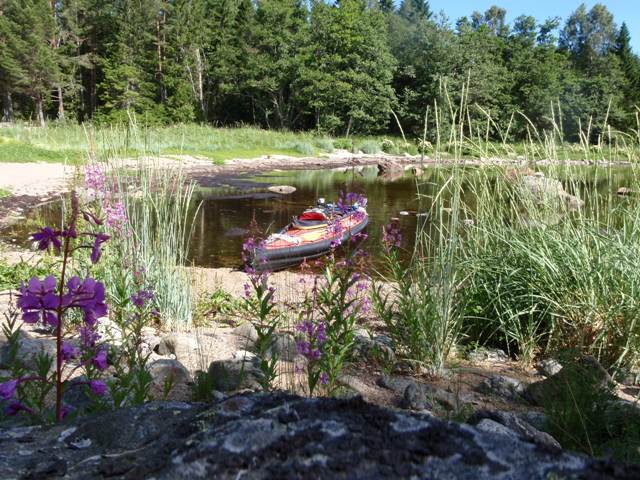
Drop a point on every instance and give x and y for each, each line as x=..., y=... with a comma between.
x=34, y=184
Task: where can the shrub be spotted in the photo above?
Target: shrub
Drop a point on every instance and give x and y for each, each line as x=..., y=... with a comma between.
x=369, y=147
x=388, y=146
x=343, y=144
x=324, y=144
x=304, y=148
x=585, y=415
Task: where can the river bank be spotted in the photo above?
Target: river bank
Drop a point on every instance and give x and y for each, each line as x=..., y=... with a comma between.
x=29, y=185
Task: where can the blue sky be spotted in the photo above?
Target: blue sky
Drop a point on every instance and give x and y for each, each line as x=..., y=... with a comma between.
x=623, y=10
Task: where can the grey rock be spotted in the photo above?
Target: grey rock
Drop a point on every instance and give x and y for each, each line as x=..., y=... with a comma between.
x=414, y=398
x=282, y=189
x=235, y=374
x=379, y=347
x=549, y=367
x=535, y=419
x=247, y=333
x=109, y=331
x=491, y=426
x=548, y=191
x=517, y=426
x=503, y=386
x=166, y=370
x=284, y=347
x=78, y=396
x=149, y=337
x=483, y=354
x=274, y=435
x=28, y=350
x=182, y=345
x=539, y=393
x=448, y=400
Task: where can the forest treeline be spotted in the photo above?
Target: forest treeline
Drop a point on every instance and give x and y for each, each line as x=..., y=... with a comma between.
x=339, y=67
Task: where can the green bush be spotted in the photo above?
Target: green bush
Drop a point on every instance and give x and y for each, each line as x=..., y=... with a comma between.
x=324, y=144
x=585, y=415
x=368, y=146
x=304, y=148
x=343, y=143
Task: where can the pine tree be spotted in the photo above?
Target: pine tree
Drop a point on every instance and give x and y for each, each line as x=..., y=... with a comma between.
x=276, y=37
x=11, y=71
x=348, y=68
x=630, y=66
x=130, y=84
x=30, y=48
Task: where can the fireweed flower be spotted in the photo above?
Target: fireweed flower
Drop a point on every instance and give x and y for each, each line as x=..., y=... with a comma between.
x=141, y=298
x=96, y=250
x=391, y=237
x=47, y=237
x=116, y=216
x=335, y=230
x=314, y=334
x=69, y=352
x=88, y=337
x=98, y=387
x=8, y=389
x=38, y=300
x=95, y=180
x=66, y=410
x=89, y=296
x=100, y=360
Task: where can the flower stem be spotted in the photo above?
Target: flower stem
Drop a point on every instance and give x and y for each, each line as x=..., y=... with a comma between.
x=67, y=244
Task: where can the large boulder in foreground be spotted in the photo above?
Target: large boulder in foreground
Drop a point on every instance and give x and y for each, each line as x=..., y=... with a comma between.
x=267, y=435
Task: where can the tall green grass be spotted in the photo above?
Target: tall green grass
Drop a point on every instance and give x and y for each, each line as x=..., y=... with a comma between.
x=502, y=261
x=67, y=143
x=161, y=211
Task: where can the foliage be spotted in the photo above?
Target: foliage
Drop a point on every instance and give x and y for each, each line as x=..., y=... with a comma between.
x=584, y=415
x=49, y=302
x=12, y=274
x=261, y=308
x=211, y=305
x=423, y=304
x=337, y=67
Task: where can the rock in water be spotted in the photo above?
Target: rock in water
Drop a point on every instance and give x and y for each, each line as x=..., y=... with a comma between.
x=390, y=170
x=622, y=191
x=548, y=191
x=275, y=435
x=282, y=189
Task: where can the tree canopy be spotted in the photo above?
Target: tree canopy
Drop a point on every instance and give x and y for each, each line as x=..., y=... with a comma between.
x=338, y=67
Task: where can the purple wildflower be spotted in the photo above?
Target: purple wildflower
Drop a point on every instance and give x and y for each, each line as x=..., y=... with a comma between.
x=66, y=410
x=100, y=360
x=88, y=295
x=69, y=351
x=116, y=216
x=139, y=299
x=38, y=300
x=347, y=201
x=98, y=387
x=335, y=230
x=314, y=336
x=391, y=237
x=47, y=237
x=14, y=407
x=88, y=337
x=96, y=250
x=324, y=378
x=8, y=389
x=95, y=180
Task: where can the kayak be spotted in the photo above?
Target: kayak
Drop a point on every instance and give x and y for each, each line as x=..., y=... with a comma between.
x=310, y=235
